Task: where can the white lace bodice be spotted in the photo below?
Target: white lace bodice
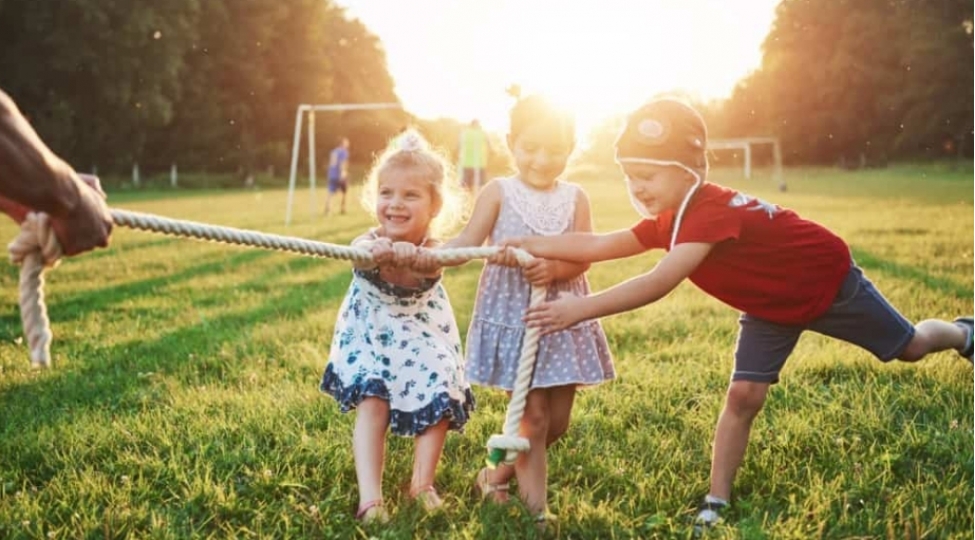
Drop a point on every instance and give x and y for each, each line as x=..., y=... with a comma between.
x=546, y=212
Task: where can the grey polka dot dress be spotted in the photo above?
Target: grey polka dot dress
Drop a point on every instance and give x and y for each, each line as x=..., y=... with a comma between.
x=575, y=356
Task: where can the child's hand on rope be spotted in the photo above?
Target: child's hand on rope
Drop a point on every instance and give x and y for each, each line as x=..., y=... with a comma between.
x=382, y=251
x=526, y=243
x=404, y=253
x=539, y=272
x=426, y=262
x=504, y=257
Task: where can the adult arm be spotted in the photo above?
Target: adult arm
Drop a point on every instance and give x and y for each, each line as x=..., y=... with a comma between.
x=31, y=174
x=32, y=177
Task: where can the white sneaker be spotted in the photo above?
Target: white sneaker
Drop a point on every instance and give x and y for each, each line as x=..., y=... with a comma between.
x=708, y=515
x=966, y=324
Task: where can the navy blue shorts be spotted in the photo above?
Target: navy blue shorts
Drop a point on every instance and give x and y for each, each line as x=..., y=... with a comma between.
x=337, y=184
x=859, y=315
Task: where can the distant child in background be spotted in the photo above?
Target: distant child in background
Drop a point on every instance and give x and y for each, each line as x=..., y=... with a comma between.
x=396, y=354
x=535, y=201
x=786, y=274
x=338, y=174
x=473, y=153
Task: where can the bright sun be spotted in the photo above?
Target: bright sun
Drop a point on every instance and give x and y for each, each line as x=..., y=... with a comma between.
x=455, y=59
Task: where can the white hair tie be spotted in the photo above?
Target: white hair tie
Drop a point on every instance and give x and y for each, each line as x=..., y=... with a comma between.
x=411, y=141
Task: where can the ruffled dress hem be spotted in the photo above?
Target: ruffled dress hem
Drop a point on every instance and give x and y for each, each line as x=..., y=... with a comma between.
x=402, y=423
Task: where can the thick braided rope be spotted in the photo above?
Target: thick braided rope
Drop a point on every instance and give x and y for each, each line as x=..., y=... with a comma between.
x=505, y=447
x=37, y=247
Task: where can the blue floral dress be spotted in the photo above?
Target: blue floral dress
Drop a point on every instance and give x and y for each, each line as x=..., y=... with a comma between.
x=402, y=345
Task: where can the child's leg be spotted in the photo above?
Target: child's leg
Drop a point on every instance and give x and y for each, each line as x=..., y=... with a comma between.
x=862, y=316
x=561, y=399
x=560, y=410
x=742, y=404
x=369, y=447
x=934, y=335
x=427, y=452
x=760, y=354
x=532, y=466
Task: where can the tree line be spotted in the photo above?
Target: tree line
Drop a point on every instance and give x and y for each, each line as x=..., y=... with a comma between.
x=851, y=83
x=861, y=82
x=214, y=85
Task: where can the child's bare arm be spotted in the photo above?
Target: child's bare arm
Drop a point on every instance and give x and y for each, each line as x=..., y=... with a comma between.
x=543, y=271
x=629, y=295
x=481, y=222
x=582, y=223
x=580, y=246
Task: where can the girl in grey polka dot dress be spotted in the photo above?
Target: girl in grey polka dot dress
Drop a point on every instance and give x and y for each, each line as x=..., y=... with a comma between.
x=535, y=202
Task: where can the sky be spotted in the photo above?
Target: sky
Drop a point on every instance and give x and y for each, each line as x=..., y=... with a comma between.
x=455, y=58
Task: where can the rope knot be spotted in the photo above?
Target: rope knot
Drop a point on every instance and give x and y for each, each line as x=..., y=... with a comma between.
x=34, y=249
x=36, y=236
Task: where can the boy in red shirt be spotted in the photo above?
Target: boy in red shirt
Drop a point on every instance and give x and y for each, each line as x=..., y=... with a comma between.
x=786, y=274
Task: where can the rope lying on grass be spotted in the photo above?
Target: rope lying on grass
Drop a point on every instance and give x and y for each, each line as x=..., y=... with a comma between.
x=37, y=248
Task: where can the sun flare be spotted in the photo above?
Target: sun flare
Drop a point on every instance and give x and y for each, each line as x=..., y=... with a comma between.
x=597, y=59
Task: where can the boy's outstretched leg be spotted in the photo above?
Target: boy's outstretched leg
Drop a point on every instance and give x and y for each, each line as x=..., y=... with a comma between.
x=742, y=404
x=429, y=448
x=369, y=451
x=935, y=335
x=968, y=325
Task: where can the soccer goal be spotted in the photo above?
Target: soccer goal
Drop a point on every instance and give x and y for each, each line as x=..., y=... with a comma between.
x=745, y=145
x=299, y=117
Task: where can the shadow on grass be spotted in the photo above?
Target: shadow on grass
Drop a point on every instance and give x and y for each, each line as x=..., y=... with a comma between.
x=109, y=380
x=71, y=307
x=868, y=261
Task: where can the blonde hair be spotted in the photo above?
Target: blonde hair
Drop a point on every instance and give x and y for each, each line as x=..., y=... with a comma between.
x=409, y=151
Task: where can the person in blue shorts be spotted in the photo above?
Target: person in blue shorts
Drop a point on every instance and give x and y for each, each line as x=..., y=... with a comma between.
x=338, y=174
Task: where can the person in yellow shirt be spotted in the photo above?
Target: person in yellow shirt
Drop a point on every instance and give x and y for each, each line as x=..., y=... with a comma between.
x=473, y=153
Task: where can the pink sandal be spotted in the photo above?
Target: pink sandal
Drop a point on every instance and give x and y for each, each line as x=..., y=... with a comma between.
x=371, y=512
x=498, y=493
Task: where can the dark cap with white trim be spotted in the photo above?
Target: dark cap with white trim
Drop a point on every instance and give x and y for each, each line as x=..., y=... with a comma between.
x=664, y=131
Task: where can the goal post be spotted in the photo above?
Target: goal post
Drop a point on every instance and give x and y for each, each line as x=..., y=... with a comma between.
x=745, y=145
x=310, y=110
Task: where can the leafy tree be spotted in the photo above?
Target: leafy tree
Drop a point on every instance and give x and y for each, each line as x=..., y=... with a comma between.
x=95, y=76
x=860, y=81
x=209, y=85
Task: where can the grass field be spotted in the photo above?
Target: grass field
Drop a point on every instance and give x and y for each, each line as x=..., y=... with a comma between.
x=183, y=400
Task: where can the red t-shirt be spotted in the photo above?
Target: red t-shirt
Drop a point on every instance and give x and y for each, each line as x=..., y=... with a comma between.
x=766, y=260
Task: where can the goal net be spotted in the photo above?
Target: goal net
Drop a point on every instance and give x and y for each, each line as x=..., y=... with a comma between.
x=745, y=145
x=310, y=111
